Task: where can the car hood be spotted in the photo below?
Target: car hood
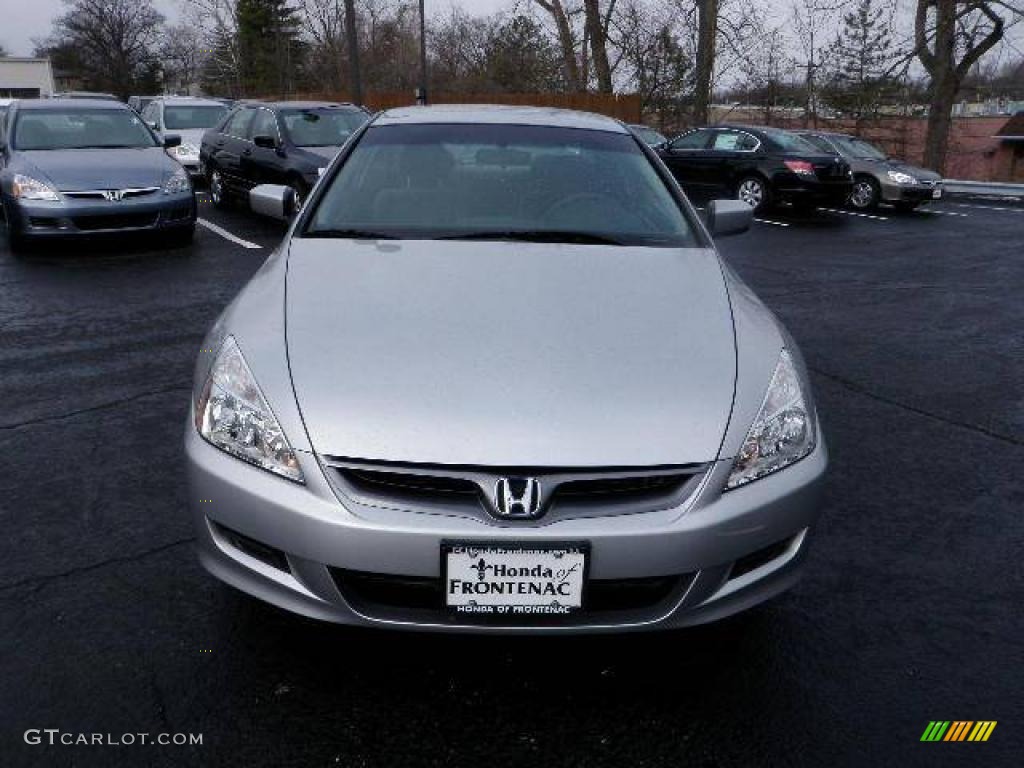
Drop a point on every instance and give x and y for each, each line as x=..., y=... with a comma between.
x=922, y=174
x=72, y=170
x=496, y=354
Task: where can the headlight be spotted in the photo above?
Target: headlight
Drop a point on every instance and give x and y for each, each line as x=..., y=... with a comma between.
x=783, y=430
x=183, y=150
x=902, y=178
x=27, y=188
x=179, y=182
x=233, y=415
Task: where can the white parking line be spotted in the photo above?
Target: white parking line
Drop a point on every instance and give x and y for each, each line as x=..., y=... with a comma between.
x=855, y=213
x=226, y=235
x=774, y=223
x=989, y=207
x=944, y=213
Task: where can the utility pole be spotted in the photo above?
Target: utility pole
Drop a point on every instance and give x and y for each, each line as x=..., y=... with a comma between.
x=421, y=92
x=355, y=78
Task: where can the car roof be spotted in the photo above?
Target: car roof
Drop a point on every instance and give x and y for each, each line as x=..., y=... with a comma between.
x=299, y=104
x=187, y=101
x=812, y=132
x=62, y=103
x=499, y=115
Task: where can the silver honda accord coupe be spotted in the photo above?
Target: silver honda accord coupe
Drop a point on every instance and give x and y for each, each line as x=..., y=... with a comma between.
x=497, y=378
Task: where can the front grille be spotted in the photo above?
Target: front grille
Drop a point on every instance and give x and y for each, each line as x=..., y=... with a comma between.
x=181, y=213
x=421, y=599
x=104, y=194
x=115, y=221
x=473, y=491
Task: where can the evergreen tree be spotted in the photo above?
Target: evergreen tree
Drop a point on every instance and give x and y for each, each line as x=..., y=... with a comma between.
x=863, y=55
x=270, y=47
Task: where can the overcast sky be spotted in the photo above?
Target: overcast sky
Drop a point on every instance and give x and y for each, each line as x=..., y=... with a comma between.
x=24, y=20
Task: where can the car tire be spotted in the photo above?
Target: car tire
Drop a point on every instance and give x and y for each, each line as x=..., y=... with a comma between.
x=754, y=191
x=865, y=195
x=182, y=238
x=16, y=242
x=218, y=190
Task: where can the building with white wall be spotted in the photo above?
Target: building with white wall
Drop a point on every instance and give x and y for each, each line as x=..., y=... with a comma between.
x=25, y=78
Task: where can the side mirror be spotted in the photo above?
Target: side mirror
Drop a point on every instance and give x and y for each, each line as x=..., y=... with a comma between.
x=728, y=217
x=273, y=200
x=171, y=140
x=265, y=142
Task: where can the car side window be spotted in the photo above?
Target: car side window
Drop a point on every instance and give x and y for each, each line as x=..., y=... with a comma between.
x=820, y=142
x=238, y=124
x=693, y=140
x=264, y=124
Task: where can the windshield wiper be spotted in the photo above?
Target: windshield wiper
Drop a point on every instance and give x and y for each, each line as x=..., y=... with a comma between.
x=354, y=234
x=537, y=236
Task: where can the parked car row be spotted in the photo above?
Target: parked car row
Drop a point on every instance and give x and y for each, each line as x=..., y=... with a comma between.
x=764, y=166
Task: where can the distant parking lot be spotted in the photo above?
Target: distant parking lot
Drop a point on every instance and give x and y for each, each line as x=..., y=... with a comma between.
x=912, y=324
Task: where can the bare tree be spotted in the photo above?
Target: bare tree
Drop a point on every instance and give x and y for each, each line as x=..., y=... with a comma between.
x=950, y=37
x=707, y=39
x=597, y=22
x=182, y=54
x=115, y=41
x=560, y=15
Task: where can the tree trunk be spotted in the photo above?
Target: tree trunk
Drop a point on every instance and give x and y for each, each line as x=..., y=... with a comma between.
x=598, y=36
x=352, y=41
x=707, y=32
x=943, y=86
x=566, y=42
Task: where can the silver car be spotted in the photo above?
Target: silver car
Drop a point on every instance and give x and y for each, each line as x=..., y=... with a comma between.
x=497, y=378
x=189, y=117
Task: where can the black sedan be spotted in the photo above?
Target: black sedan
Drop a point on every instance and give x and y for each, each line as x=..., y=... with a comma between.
x=761, y=166
x=287, y=143
x=74, y=167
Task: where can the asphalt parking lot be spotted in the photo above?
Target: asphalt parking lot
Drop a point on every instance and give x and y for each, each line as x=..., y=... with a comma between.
x=913, y=327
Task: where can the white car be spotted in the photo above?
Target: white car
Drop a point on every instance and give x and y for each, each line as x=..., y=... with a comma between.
x=188, y=117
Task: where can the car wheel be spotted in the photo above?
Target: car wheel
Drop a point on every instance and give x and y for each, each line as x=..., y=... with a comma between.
x=182, y=238
x=15, y=240
x=865, y=194
x=754, y=192
x=218, y=192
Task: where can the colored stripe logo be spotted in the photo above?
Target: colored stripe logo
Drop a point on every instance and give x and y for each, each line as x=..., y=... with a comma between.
x=958, y=730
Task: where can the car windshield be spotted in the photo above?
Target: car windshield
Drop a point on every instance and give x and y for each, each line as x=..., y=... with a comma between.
x=77, y=128
x=858, y=148
x=323, y=126
x=185, y=117
x=790, y=142
x=500, y=182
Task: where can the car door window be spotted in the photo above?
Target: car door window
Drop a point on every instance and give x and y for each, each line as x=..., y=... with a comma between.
x=263, y=124
x=734, y=141
x=820, y=142
x=694, y=140
x=239, y=123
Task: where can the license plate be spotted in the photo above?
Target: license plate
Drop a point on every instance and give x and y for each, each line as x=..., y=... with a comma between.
x=514, y=580
x=936, y=194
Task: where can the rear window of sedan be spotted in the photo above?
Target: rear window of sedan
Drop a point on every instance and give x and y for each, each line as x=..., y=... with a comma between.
x=72, y=128
x=190, y=117
x=472, y=180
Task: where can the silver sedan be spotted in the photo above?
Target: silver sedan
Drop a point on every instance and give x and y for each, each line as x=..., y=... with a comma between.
x=497, y=378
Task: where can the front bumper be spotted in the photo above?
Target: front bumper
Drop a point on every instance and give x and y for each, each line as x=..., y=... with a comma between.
x=75, y=218
x=294, y=545
x=911, y=193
